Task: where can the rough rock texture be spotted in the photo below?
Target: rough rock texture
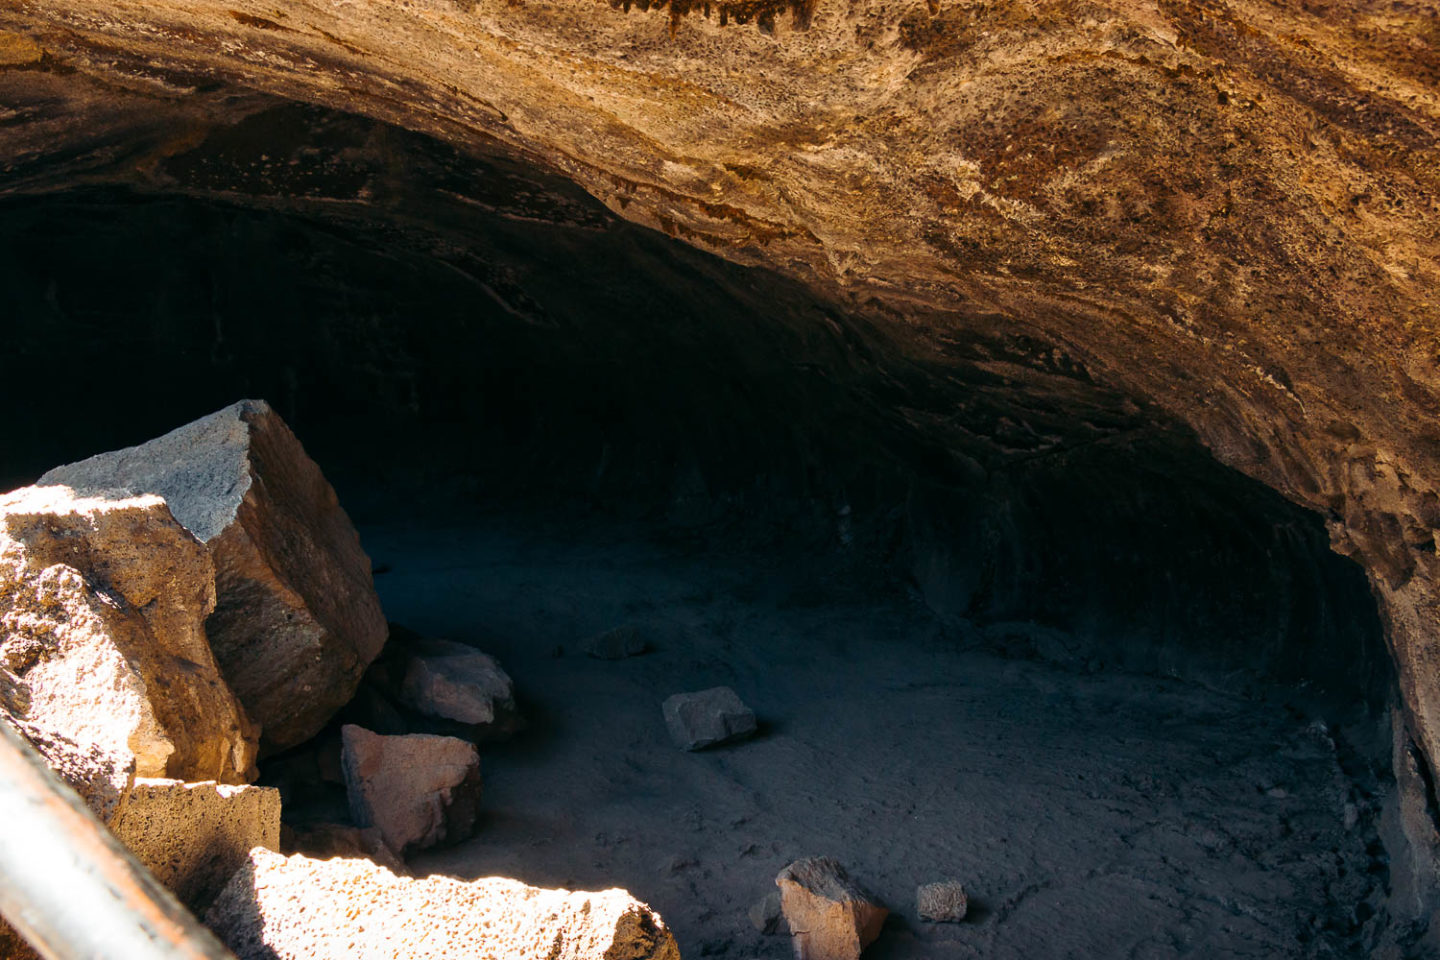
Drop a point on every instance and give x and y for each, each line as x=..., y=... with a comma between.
x=1225, y=212
x=830, y=916
x=101, y=778
x=616, y=644
x=941, y=902
x=456, y=682
x=194, y=836
x=102, y=609
x=295, y=908
x=419, y=790
x=707, y=718
x=297, y=620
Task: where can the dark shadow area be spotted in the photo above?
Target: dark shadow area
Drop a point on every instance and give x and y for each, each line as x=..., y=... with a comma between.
x=921, y=560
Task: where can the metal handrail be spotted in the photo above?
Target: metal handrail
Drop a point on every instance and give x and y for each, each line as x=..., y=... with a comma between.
x=69, y=887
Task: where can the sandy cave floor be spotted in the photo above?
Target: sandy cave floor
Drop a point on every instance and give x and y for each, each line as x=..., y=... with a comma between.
x=1099, y=815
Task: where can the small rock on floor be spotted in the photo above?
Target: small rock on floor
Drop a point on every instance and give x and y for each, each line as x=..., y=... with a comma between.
x=706, y=718
x=830, y=916
x=615, y=644
x=420, y=790
x=942, y=902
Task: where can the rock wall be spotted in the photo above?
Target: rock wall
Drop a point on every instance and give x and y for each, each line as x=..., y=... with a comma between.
x=1224, y=212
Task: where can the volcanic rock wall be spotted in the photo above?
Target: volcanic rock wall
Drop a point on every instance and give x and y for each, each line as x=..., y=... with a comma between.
x=1223, y=212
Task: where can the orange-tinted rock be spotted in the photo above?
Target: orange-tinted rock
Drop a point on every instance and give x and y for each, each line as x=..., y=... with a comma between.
x=296, y=908
x=296, y=620
x=830, y=916
x=103, y=603
x=419, y=790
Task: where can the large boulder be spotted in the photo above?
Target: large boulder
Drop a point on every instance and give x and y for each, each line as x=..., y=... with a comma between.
x=830, y=916
x=103, y=601
x=419, y=789
x=297, y=619
x=296, y=908
x=194, y=836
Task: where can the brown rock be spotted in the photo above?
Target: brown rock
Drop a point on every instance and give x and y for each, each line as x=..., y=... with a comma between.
x=297, y=619
x=830, y=916
x=296, y=908
x=102, y=608
x=194, y=836
x=420, y=790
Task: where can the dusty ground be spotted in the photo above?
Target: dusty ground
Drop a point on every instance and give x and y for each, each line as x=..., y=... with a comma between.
x=1099, y=815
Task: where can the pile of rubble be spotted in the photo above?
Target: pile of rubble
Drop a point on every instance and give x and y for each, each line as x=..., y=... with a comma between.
x=172, y=611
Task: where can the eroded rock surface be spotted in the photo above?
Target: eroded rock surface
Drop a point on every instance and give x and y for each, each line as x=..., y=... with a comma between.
x=103, y=601
x=830, y=916
x=296, y=908
x=194, y=836
x=944, y=901
x=297, y=620
x=419, y=790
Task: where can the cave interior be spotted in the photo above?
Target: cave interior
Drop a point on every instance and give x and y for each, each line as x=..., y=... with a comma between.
x=1000, y=620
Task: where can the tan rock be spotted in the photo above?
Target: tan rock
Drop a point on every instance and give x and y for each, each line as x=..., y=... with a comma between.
x=419, y=789
x=102, y=608
x=296, y=908
x=297, y=619
x=830, y=916
x=194, y=836
x=942, y=902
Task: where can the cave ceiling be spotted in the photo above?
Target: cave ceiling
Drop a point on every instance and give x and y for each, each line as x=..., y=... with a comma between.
x=1221, y=216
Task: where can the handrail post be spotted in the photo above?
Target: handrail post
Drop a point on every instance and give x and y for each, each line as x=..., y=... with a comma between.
x=69, y=887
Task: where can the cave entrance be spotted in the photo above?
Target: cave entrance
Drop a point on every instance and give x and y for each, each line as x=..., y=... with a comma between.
x=999, y=623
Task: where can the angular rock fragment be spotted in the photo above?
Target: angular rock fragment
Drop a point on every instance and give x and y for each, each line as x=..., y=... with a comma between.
x=296, y=908
x=194, y=836
x=830, y=916
x=616, y=644
x=420, y=790
x=297, y=619
x=942, y=902
x=707, y=717
x=102, y=609
x=456, y=682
